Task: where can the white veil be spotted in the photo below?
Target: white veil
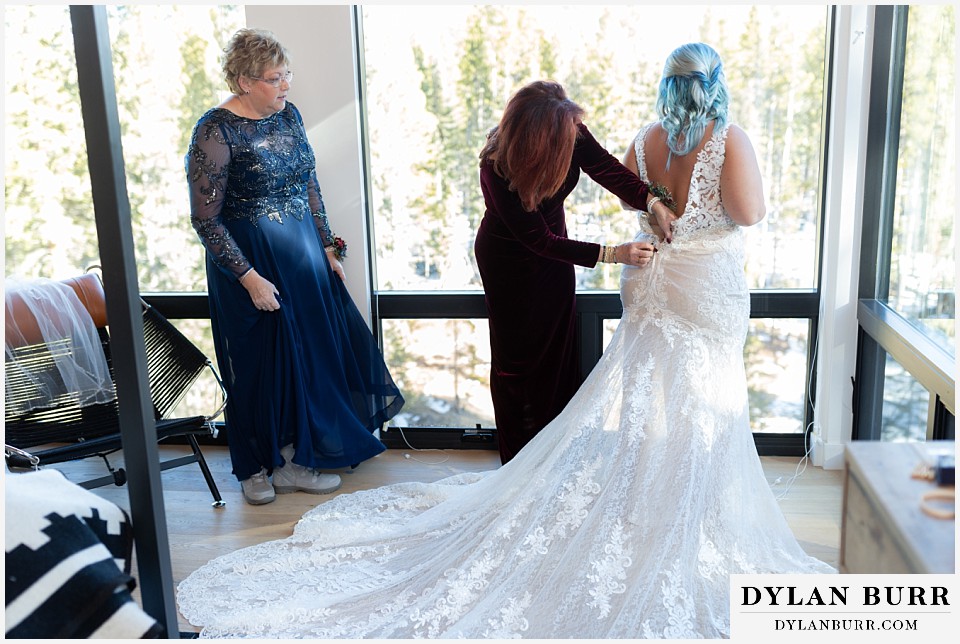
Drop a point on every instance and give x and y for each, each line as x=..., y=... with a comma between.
x=66, y=326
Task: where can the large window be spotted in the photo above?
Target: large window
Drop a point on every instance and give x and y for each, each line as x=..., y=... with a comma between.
x=443, y=368
x=906, y=405
x=433, y=94
x=905, y=385
x=430, y=96
x=48, y=217
x=166, y=74
x=922, y=263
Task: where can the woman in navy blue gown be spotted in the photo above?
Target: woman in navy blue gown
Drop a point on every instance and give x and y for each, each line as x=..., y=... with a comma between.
x=531, y=162
x=306, y=383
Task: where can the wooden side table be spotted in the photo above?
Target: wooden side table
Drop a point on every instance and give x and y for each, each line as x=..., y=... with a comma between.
x=883, y=529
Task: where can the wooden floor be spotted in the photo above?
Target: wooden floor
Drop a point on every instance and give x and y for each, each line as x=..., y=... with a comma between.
x=198, y=532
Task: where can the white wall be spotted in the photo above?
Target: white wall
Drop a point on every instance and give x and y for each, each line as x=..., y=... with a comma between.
x=837, y=350
x=320, y=41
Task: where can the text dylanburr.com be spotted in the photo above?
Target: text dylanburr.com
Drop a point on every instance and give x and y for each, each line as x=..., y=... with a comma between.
x=844, y=608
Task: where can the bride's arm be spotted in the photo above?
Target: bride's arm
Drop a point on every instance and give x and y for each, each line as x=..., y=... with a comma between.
x=630, y=161
x=741, y=187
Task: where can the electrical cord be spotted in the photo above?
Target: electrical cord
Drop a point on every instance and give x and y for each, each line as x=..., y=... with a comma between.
x=446, y=457
x=807, y=441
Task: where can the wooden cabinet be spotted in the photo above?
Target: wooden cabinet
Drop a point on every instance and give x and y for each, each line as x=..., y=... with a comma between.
x=883, y=529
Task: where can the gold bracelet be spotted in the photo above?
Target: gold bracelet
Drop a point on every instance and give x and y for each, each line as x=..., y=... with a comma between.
x=938, y=495
x=610, y=254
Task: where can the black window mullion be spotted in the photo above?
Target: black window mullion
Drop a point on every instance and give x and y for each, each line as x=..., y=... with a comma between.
x=592, y=309
x=944, y=422
x=868, y=388
x=883, y=137
x=884, y=331
x=883, y=141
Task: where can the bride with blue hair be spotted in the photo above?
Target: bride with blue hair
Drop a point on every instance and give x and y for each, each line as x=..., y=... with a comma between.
x=627, y=516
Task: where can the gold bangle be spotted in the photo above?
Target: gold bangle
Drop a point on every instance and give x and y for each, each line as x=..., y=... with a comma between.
x=938, y=495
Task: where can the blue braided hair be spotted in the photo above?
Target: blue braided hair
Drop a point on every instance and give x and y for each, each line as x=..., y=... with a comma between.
x=693, y=92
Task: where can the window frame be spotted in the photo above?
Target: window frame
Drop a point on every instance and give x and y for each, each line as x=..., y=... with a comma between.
x=882, y=329
x=593, y=307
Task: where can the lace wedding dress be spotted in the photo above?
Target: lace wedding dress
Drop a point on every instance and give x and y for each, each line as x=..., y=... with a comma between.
x=623, y=518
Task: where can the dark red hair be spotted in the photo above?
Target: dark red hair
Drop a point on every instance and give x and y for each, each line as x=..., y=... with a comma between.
x=533, y=144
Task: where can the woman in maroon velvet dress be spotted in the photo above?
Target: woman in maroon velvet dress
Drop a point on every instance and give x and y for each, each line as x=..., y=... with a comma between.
x=531, y=162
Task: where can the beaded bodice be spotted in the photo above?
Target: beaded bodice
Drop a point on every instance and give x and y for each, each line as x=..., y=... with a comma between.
x=242, y=169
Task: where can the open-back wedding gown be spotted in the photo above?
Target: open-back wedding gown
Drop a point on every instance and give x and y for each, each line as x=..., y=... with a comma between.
x=623, y=518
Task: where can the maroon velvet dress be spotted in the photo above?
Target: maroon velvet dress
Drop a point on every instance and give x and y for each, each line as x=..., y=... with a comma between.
x=526, y=264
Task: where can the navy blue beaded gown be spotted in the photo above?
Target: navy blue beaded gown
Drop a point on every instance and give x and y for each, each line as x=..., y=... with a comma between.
x=311, y=373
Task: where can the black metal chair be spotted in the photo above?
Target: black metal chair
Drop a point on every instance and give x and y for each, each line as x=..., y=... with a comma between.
x=66, y=431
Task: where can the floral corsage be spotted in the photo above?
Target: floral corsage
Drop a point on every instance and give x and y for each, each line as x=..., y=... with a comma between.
x=339, y=248
x=662, y=194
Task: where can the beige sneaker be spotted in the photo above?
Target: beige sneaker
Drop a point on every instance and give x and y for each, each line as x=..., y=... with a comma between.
x=257, y=489
x=297, y=478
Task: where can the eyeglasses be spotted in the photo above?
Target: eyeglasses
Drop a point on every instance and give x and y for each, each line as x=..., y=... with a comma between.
x=276, y=81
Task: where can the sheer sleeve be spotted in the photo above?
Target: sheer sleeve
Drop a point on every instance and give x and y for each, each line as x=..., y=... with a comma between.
x=607, y=170
x=319, y=210
x=207, y=166
x=315, y=197
x=530, y=228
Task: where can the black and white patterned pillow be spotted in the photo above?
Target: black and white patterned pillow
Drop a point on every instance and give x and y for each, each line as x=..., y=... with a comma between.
x=68, y=559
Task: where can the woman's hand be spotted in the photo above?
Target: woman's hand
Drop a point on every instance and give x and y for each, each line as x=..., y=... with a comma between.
x=656, y=229
x=264, y=294
x=665, y=221
x=335, y=264
x=634, y=253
